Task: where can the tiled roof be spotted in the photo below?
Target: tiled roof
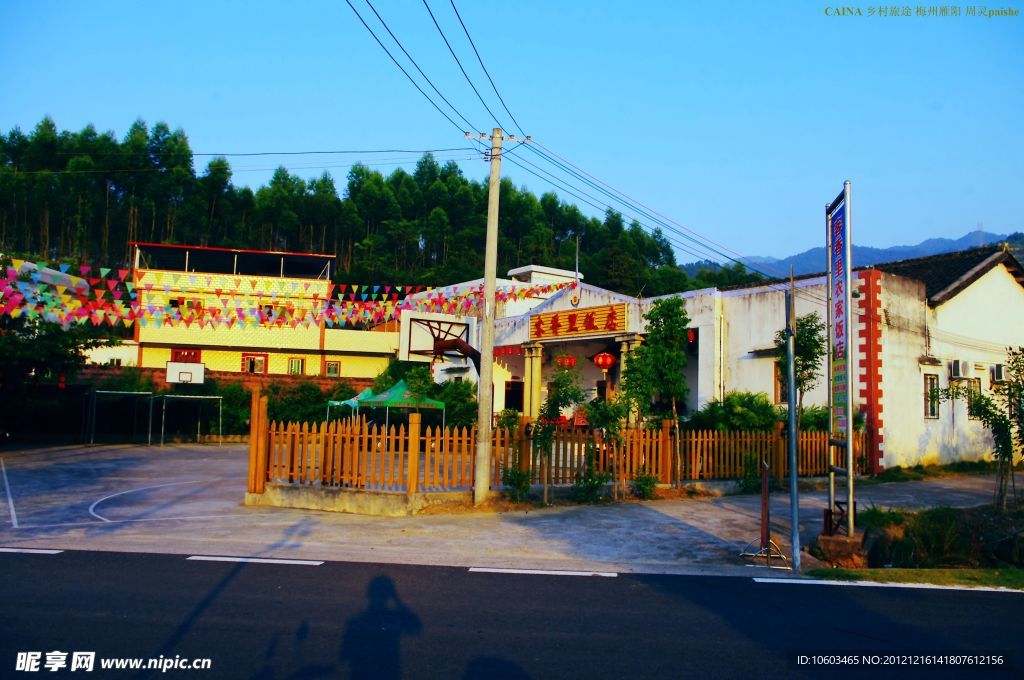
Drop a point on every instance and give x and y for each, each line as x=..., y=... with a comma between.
x=946, y=274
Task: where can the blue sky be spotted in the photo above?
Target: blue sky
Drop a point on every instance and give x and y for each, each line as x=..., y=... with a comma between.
x=737, y=120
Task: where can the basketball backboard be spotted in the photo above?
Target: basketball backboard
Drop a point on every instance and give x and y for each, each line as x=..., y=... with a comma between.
x=426, y=336
x=181, y=372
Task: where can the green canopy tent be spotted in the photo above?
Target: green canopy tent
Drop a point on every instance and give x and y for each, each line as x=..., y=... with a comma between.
x=400, y=395
x=352, y=403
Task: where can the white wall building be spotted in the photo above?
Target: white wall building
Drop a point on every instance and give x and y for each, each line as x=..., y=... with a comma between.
x=919, y=324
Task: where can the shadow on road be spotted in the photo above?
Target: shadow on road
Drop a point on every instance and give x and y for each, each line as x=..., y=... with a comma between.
x=372, y=639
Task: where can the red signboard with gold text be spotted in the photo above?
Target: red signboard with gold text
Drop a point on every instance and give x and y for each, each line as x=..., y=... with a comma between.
x=579, y=322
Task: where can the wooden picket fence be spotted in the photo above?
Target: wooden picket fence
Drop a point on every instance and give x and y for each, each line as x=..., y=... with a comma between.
x=352, y=454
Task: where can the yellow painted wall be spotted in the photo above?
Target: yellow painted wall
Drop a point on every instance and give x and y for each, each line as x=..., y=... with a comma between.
x=362, y=367
x=155, y=357
x=214, y=336
x=361, y=354
x=342, y=340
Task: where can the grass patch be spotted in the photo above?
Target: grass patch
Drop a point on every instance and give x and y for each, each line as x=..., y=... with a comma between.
x=919, y=472
x=993, y=578
x=879, y=518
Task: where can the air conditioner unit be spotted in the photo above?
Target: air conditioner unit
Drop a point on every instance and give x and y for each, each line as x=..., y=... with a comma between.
x=999, y=373
x=957, y=369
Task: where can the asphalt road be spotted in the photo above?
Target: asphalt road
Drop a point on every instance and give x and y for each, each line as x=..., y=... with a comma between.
x=361, y=620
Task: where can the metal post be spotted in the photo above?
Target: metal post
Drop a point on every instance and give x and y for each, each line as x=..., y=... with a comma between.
x=220, y=421
x=794, y=496
x=163, y=421
x=149, y=430
x=92, y=419
x=850, y=373
x=482, y=467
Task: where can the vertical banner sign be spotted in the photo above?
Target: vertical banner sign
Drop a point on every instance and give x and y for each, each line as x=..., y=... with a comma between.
x=839, y=300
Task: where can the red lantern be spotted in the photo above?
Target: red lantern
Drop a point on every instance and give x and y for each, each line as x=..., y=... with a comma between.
x=604, y=361
x=566, y=361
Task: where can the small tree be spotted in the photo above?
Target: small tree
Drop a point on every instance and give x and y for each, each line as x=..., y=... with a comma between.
x=658, y=365
x=563, y=391
x=809, y=348
x=1002, y=413
x=609, y=416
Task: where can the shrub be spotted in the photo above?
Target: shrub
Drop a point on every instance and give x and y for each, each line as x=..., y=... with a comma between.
x=590, y=486
x=814, y=419
x=878, y=518
x=750, y=481
x=507, y=419
x=643, y=485
x=516, y=481
x=934, y=538
x=737, y=411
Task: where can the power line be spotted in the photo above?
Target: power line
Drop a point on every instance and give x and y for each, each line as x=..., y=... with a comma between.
x=112, y=154
x=486, y=72
x=409, y=56
x=563, y=186
x=454, y=56
x=392, y=57
x=119, y=171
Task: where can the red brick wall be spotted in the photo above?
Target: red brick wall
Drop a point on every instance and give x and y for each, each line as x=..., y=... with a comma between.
x=870, y=346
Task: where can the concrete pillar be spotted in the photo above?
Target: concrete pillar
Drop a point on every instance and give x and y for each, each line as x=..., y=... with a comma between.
x=533, y=379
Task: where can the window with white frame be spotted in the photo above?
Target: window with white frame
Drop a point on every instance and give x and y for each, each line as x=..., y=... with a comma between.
x=333, y=369
x=296, y=366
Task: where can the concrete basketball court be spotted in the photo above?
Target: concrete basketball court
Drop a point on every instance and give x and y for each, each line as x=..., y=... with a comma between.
x=187, y=499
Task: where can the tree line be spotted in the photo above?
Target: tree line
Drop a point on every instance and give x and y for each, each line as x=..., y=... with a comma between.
x=83, y=196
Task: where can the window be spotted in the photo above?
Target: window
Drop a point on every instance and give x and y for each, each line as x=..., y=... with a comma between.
x=973, y=389
x=254, y=363
x=781, y=384
x=187, y=356
x=296, y=366
x=931, y=395
x=333, y=369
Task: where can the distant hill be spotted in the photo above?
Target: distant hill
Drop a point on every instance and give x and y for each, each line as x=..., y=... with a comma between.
x=813, y=261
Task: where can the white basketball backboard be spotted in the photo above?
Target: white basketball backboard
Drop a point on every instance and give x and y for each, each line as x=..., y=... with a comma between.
x=181, y=372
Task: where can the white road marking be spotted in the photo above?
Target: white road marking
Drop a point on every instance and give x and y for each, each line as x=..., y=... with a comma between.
x=92, y=508
x=542, y=572
x=258, y=560
x=10, y=498
x=31, y=551
x=875, y=584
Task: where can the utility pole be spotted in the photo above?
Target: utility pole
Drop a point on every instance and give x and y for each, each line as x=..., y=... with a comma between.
x=482, y=466
x=794, y=434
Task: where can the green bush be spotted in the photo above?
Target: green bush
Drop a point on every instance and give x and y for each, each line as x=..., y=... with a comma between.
x=507, y=420
x=128, y=379
x=737, y=411
x=878, y=518
x=934, y=538
x=750, y=481
x=814, y=419
x=301, y=401
x=516, y=481
x=590, y=486
x=643, y=485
